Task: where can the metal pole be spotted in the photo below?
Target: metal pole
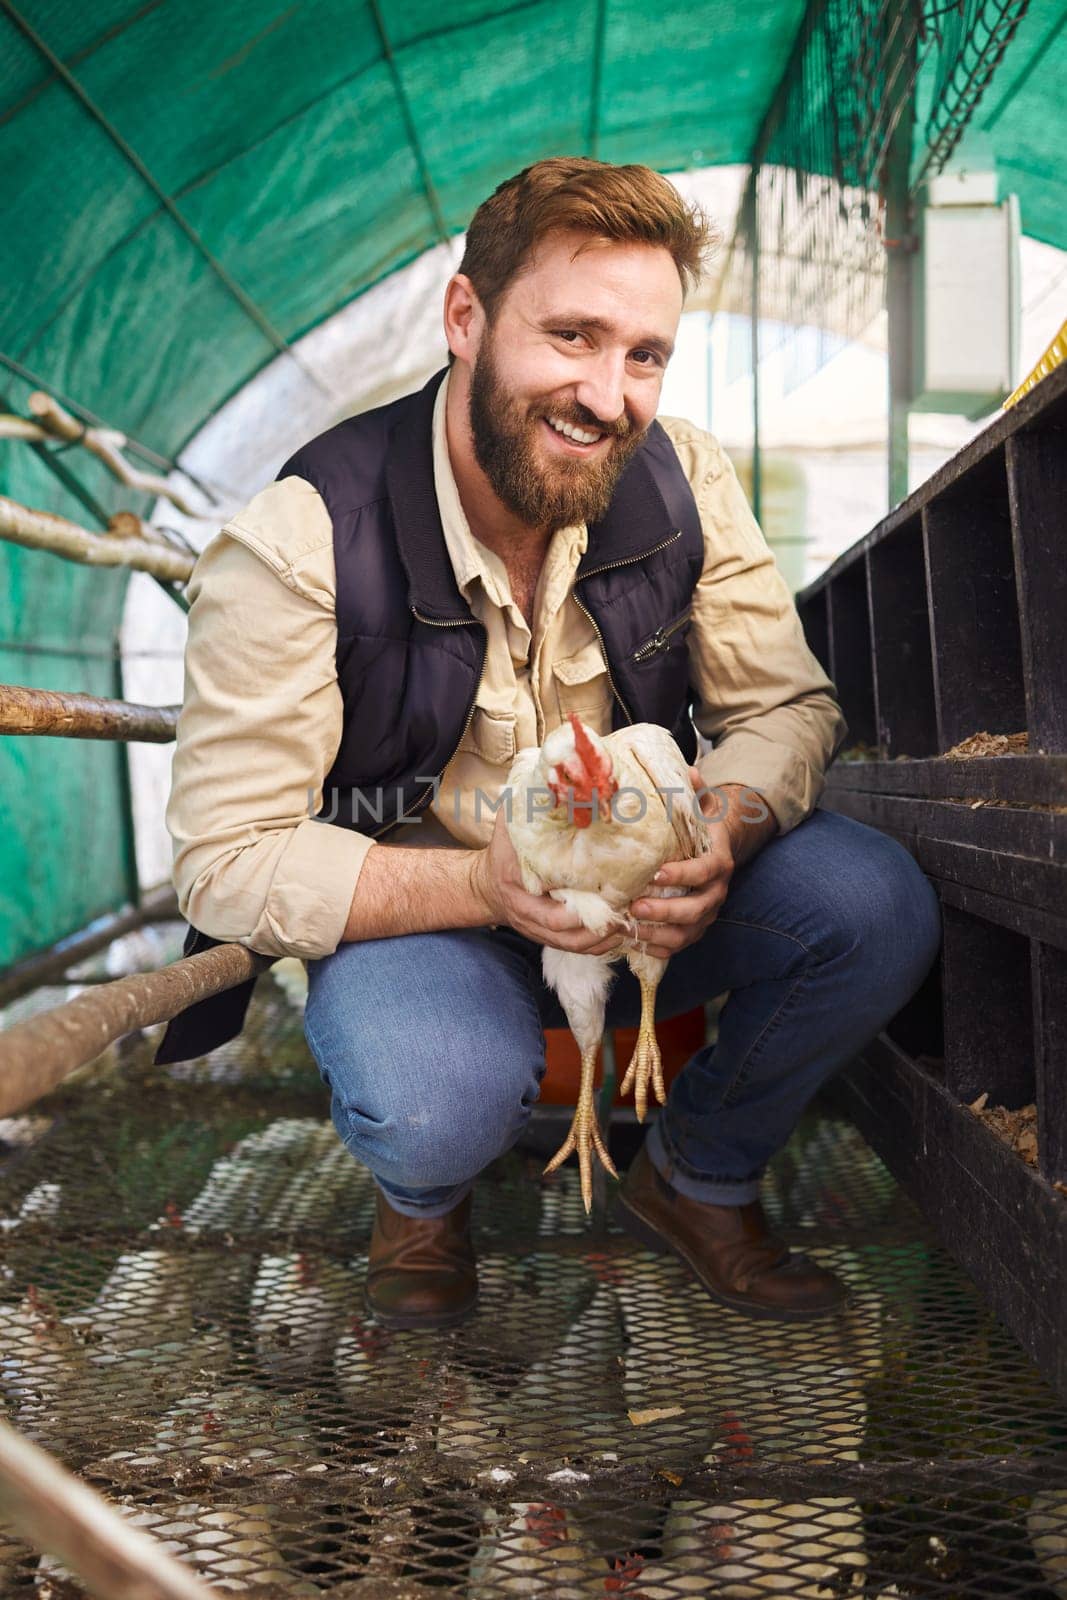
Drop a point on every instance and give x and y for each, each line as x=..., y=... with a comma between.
x=899, y=244
x=709, y=369
x=122, y=751
x=753, y=245
x=46, y=1505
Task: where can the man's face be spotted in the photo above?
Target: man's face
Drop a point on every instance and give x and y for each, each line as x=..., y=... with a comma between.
x=579, y=340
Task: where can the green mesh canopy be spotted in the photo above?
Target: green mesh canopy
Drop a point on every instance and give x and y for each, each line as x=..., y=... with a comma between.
x=189, y=189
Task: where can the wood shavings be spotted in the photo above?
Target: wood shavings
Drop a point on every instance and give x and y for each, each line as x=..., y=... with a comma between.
x=989, y=744
x=1002, y=805
x=1017, y=1129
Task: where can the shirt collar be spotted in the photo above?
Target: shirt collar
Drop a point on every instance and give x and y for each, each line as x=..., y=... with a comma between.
x=471, y=560
x=637, y=522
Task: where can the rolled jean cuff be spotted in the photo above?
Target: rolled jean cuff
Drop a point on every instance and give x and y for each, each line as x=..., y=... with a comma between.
x=409, y=1206
x=712, y=1191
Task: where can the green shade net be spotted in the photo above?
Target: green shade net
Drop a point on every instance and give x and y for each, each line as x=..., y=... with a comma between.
x=66, y=844
x=188, y=190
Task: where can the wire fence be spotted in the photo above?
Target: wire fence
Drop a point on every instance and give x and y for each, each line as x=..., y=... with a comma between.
x=182, y=1323
x=811, y=239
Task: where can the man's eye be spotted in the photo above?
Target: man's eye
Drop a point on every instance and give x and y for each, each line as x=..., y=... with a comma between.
x=646, y=358
x=567, y=333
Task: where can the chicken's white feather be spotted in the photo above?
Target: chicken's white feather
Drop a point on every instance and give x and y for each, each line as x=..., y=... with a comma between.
x=591, y=909
x=582, y=983
x=637, y=812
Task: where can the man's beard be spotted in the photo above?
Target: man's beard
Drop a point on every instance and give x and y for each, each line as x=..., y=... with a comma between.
x=550, y=494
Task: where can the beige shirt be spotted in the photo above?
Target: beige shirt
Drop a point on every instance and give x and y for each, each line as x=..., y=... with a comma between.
x=262, y=714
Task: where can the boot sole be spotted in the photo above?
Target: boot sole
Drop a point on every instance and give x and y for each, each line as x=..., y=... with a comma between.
x=647, y=1234
x=403, y=1321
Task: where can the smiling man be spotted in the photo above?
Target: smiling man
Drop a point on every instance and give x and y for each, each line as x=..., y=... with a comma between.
x=431, y=586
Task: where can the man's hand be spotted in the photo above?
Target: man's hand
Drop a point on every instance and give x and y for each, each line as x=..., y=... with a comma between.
x=668, y=925
x=497, y=879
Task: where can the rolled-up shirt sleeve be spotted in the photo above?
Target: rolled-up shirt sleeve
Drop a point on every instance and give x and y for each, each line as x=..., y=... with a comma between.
x=762, y=698
x=260, y=725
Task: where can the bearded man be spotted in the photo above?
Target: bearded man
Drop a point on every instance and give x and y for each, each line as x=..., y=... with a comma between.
x=430, y=586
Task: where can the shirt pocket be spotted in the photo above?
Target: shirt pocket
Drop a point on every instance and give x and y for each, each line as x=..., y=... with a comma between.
x=582, y=685
x=491, y=736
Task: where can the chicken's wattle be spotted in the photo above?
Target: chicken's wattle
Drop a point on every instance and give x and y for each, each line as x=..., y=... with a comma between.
x=586, y=774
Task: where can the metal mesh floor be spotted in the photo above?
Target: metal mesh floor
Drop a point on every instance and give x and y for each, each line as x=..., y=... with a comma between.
x=181, y=1321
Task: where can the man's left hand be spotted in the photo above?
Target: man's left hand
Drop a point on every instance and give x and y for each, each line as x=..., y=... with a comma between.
x=668, y=925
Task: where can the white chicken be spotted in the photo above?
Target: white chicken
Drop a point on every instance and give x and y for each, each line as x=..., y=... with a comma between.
x=592, y=820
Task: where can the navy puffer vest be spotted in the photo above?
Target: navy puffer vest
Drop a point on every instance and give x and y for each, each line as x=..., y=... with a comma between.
x=410, y=652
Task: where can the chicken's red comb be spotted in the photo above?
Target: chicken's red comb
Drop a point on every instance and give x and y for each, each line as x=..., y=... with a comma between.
x=596, y=764
x=625, y=1573
x=738, y=1443
x=547, y=1522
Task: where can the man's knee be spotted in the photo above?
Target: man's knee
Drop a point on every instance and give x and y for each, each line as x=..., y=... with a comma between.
x=442, y=1109
x=882, y=904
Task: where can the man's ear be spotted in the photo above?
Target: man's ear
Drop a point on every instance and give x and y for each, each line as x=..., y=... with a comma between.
x=464, y=318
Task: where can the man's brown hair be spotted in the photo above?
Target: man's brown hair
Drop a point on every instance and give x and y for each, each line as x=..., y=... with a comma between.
x=630, y=204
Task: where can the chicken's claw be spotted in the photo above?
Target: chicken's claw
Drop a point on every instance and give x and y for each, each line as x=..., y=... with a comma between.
x=585, y=1137
x=646, y=1061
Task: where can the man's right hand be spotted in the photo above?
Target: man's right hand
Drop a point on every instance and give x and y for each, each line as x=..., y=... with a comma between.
x=497, y=880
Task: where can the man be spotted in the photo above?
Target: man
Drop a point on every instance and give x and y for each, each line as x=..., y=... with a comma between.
x=429, y=587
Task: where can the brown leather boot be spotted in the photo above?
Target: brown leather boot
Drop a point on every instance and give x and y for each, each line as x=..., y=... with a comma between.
x=737, y=1259
x=421, y=1271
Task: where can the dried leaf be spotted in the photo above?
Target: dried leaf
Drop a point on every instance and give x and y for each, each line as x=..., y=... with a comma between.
x=654, y=1414
x=979, y=1104
x=672, y=1477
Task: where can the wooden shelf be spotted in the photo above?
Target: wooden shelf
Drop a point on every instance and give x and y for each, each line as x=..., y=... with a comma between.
x=1017, y=854
x=1002, y=1220
x=947, y=620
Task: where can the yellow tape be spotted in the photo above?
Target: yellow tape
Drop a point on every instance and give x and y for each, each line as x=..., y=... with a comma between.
x=1056, y=352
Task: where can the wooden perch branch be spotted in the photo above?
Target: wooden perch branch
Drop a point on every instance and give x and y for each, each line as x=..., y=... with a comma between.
x=83, y=716
x=47, y=1506
x=21, y=428
x=53, y=423
x=37, y=1054
x=40, y=530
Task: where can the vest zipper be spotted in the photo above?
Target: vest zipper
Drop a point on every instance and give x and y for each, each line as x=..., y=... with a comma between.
x=609, y=566
x=659, y=639
x=628, y=561
x=604, y=653
x=417, y=802
x=463, y=622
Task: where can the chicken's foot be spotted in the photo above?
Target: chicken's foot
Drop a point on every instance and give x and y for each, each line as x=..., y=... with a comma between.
x=646, y=1061
x=585, y=1134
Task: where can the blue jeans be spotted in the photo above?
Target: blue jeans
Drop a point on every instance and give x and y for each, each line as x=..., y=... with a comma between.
x=432, y=1043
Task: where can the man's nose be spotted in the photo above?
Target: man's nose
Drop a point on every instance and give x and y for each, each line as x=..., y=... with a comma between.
x=602, y=388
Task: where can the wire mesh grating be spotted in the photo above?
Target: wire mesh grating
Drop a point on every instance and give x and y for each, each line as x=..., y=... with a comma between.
x=181, y=1322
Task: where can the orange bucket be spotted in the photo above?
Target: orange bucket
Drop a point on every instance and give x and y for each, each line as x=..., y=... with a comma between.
x=678, y=1038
